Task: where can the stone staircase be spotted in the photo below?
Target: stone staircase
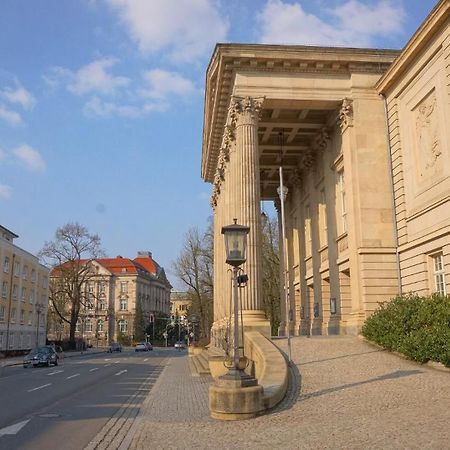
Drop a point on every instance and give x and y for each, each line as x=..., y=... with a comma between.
x=199, y=363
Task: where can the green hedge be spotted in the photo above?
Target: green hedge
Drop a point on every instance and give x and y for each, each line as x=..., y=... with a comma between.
x=418, y=327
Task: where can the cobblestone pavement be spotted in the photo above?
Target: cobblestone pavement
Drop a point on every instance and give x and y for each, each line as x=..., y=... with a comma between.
x=345, y=394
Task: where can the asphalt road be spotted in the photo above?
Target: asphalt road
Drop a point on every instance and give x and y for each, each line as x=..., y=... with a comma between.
x=66, y=406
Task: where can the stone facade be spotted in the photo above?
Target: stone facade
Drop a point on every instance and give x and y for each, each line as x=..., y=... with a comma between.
x=23, y=296
x=361, y=138
x=110, y=299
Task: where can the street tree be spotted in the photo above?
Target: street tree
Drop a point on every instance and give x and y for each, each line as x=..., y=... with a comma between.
x=139, y=323
x=70, y=257
x=271, y=271
x=194, y=267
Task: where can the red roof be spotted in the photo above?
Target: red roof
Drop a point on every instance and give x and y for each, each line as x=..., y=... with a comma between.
x=142, y=264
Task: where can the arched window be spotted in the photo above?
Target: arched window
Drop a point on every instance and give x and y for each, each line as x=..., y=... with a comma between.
x=100, y=325
x=123, y=304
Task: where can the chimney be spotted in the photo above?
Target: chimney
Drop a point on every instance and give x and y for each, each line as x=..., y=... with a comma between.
x=144, y=254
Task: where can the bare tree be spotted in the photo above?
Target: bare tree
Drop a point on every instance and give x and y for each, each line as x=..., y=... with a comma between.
x=70, y=256
x=271, y=271
x=194, y=267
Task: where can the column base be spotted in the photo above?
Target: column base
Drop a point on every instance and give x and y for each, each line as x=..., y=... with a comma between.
x=255, y=320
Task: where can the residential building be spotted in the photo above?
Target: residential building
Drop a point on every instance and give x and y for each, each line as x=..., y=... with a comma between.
x=23, y=296
x=362, y=142
x=110, y=298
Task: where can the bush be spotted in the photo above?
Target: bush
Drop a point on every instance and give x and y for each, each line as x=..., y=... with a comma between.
x=418, y=327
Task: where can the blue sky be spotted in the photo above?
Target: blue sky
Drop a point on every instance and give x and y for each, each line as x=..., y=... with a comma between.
x=101, y=105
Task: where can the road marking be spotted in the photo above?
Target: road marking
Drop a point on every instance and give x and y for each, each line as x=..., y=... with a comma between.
x=146, y=359
x=107, y=365
x=116, y=362
x=55, y=372
x=40, y=387
x=107, y=359
x=95, y=368
x=14, y=429
x=73, y=376
x=121, y=372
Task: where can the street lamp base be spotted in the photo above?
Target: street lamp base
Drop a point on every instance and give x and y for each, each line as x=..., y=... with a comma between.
x=235, y=396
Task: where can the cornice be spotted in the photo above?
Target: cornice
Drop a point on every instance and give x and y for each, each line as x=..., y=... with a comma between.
x=228, y=59
x=419, y=40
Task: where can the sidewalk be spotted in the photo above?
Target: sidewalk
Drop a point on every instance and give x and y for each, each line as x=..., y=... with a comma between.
x=344, y=394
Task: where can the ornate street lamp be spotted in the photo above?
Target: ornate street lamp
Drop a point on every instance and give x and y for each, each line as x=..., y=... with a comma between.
x=235, y=246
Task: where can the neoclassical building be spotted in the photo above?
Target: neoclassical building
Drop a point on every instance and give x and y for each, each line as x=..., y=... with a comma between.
x=362, y=137
x=110, y=297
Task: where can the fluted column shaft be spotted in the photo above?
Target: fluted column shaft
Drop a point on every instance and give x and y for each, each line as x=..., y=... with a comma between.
x=245, y=195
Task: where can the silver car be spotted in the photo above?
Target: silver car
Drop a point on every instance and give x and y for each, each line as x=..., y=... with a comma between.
x=41, y=356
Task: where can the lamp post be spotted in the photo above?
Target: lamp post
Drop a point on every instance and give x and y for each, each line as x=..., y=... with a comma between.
x=282, y=191
x=235, y=246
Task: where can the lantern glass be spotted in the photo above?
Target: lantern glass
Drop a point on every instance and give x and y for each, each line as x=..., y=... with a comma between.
x=235, y=243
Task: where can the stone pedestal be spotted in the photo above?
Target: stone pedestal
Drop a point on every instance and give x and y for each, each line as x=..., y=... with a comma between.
x=235, y=396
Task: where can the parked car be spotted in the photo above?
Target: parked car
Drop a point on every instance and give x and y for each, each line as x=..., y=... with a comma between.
x=180, y=344
x=141, y=347
x=41, y=356
x=115, y=347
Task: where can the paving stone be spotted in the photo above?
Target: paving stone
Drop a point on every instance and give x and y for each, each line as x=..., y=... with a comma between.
x=344, y=394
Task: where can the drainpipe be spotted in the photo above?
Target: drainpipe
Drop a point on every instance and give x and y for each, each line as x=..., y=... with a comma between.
x=394, y=218
x=10, y=303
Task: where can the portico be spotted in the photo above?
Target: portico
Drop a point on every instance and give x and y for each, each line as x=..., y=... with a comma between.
x=315, y=112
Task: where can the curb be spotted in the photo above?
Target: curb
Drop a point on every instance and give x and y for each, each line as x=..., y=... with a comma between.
x=430, y=364
x=12, y=364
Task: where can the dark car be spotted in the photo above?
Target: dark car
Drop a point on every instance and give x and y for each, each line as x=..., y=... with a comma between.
x=41, y=356
x=115, y=347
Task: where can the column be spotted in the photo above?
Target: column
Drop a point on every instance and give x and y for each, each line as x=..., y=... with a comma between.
x=245, y=202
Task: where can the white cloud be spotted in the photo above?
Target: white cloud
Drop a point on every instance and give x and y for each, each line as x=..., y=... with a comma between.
x=5, y=191
x=186, y=29
x=91, y=78
x=96, y=107
x=161, y=83
x=30, y=157
x=18, y=95
x=10, y=116
x=353, y=23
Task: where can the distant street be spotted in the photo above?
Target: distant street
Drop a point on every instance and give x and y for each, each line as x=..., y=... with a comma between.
x=66, y=406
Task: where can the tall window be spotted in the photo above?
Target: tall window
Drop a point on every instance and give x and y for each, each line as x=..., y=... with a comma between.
x=123, y=287
x=123, y=326
x=4, y=288
x=343, y=202
x=308, y=236
x=25, y=272
x=101, y=304
x=100, y=325
x=16, y=269
x=88, y=325
x=13, y=315
x=439, y=273
x=22, y=316
x=14, y=291
x=23, y=295
x=123, y=304
x=323, y=219
x=33, y=275
x=6, y=264
x=2, y=313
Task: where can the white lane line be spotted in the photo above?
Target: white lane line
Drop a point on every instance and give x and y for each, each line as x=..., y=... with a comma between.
x=107, y=359
x=107, y=365
x=116, y=362
x=95, y=368
x=14, y=429
x=55, y=372
x=121, y=372
x=146, y=359
x=73, y=376
x=40, y=387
